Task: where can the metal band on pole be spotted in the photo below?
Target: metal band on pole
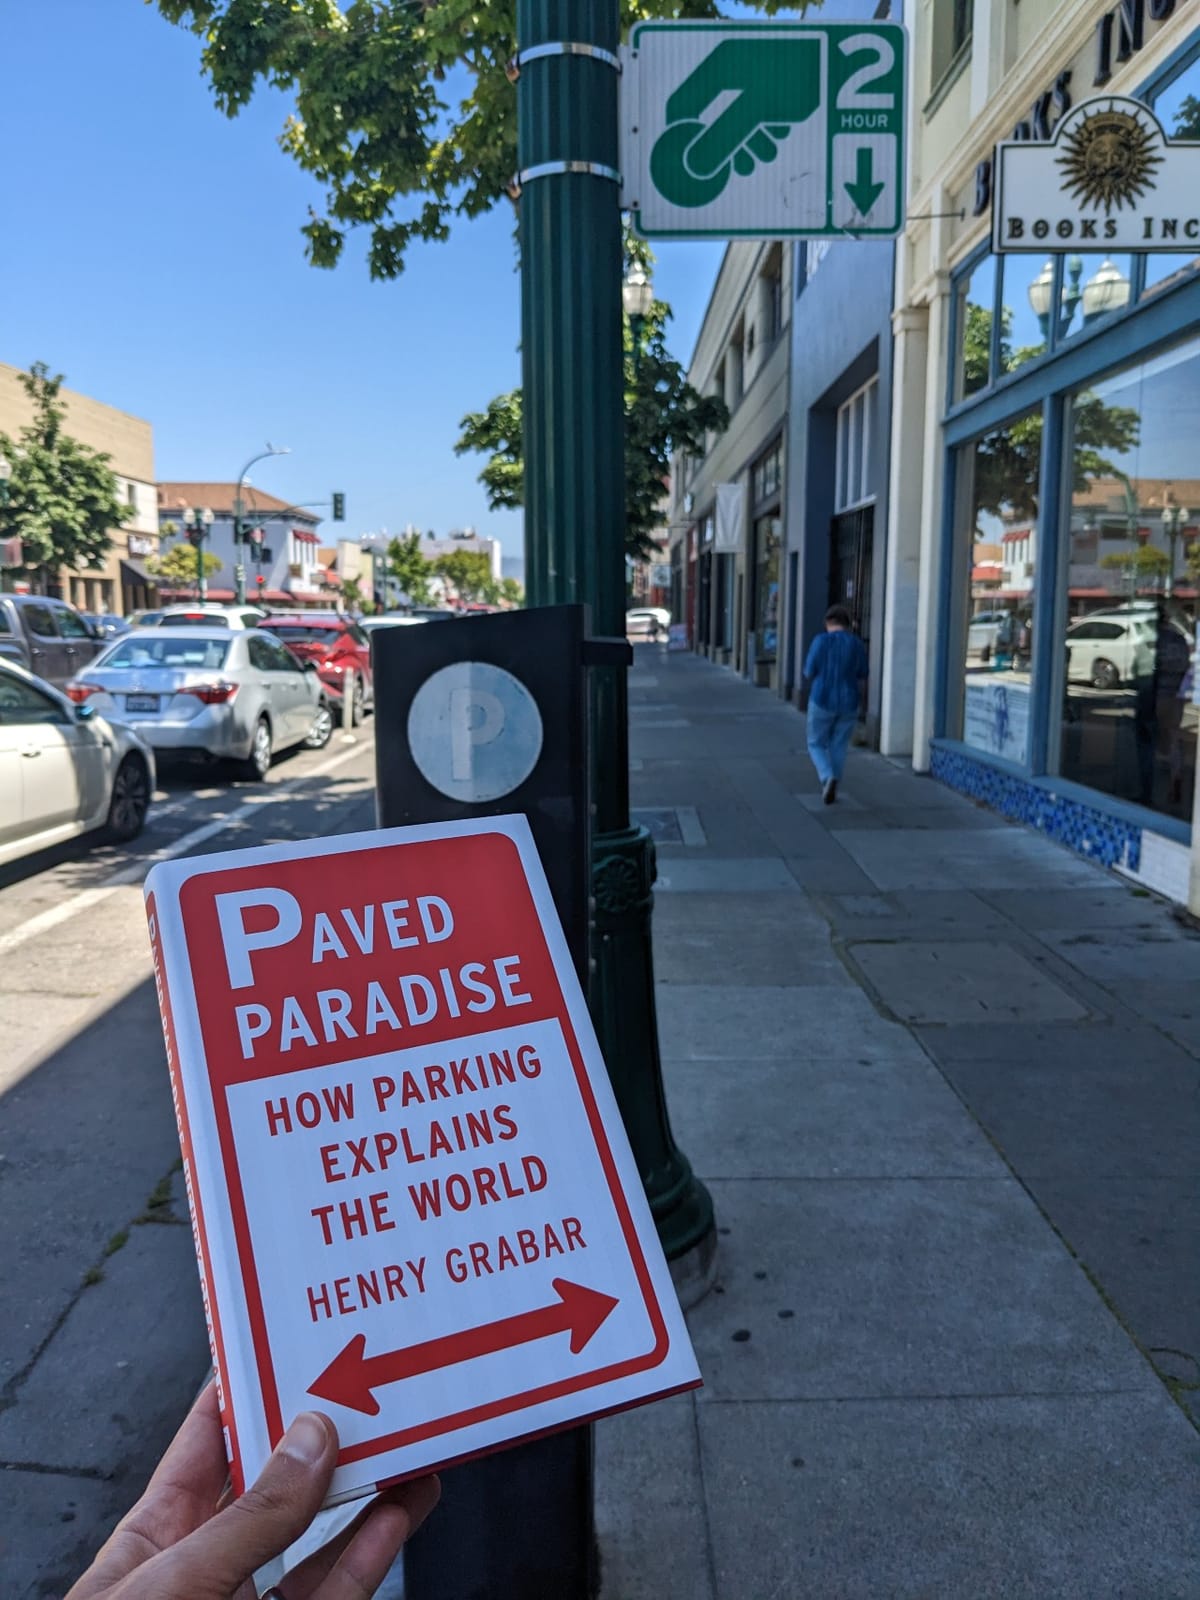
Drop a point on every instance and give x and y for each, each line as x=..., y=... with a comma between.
x=561, y=47
x=554, y=169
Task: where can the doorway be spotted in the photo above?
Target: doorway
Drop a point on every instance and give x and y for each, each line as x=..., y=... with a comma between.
x=851, y=554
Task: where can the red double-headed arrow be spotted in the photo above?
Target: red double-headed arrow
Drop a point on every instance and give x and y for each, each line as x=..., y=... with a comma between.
x=352, y=1375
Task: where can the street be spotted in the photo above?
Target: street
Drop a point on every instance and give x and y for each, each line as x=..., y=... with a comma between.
x=939, y=1076
x=102, y=1340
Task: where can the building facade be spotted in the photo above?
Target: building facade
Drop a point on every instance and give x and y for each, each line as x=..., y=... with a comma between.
x=121, y=584
x=839, y=421
x=726, y=530
x=280, y=550
x=1043, y=558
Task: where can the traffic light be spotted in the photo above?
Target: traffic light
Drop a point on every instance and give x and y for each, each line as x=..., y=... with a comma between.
x=339, y=508
x=260, y=581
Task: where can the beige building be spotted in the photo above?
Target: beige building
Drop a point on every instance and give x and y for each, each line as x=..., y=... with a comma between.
x=726, y=518
x=122, y=583
x=348, y=562
x=1044, y=407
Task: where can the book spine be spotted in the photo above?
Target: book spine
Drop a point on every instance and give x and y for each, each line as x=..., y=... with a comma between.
x=195, y=1205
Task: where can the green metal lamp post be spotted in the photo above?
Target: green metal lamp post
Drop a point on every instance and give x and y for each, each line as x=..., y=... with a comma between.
x=571, y=260
x=240, y=567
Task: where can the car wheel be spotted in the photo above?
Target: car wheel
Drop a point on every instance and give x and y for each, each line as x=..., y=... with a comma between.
x=985, y=655
x=258, y=763
x=321, y=731
x=130, y=801
x=358, y=704
x=1104, y=674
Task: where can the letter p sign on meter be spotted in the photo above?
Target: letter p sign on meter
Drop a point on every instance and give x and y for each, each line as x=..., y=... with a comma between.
x=474, y=731
x=763, y=129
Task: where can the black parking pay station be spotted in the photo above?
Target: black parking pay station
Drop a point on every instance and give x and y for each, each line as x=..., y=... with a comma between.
x=475, y=718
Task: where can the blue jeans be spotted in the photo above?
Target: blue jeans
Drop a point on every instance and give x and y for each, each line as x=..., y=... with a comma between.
x=828, y=739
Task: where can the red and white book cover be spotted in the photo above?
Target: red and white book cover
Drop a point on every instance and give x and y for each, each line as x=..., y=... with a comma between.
x=414, y=1203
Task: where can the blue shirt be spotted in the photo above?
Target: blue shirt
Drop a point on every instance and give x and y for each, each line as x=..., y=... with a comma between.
x=836, y=664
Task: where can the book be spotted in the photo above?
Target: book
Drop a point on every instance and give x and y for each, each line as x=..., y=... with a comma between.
x=413, y=1201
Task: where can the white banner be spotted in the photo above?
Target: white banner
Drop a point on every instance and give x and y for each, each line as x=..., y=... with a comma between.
x=731, y=517
x=1109, y=177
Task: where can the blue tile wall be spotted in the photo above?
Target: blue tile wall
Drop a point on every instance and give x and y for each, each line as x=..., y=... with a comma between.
x=1093, y=833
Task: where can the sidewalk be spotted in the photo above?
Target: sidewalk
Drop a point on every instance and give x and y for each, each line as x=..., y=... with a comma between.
x=941, y=1078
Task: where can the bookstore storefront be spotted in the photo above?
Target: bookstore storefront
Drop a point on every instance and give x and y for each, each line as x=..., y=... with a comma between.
x=1071, y=535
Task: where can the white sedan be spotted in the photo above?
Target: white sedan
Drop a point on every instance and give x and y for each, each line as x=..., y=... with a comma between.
x=64, y=770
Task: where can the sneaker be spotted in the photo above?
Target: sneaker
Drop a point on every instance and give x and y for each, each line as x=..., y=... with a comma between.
x=829, y=793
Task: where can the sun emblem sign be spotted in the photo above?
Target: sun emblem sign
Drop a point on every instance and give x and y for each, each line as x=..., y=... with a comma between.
x=1109, y=159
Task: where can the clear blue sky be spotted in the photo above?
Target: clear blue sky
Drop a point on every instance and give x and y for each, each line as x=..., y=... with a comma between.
x=153, y=255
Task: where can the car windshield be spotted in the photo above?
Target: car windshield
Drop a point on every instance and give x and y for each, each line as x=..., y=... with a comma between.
x=301, y=632
x=144, y=650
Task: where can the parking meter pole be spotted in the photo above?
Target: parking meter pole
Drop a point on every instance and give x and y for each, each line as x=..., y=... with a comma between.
x=347, y=705
x=574, y=431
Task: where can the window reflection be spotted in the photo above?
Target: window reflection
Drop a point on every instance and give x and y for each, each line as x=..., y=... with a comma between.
x=1022, y=335
x=998, y=515
x=1094, y=286
x=1129, y=721
x=976, y=309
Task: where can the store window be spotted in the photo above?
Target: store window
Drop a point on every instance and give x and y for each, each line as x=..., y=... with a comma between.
x=765, y=483
x=950, y=33
x=1133, y=569
x=1092, y=286
x=767, y=531
x=1024, y=318
x=976, y=311
x=997, y=559
x=854, y=477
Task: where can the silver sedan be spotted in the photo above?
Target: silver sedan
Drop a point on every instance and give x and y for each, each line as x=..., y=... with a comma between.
x=233, y=694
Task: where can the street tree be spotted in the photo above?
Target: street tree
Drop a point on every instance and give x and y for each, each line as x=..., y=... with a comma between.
x=1008, y=461
x=511, y=592
x=404, y=111
x=352, y=594
x=410, y=568
x=469, y=573
x=62, y=500
x=1143, y=565
x=176, y=566
x=664, y=416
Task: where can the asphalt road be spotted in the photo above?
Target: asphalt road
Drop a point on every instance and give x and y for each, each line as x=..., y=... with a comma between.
x=94, y=1220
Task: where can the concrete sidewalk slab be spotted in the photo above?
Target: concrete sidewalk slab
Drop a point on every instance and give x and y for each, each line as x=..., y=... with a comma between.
x=824, y=1119
x=946, y=858
x=715, y=1023
x=922, y=1287
x=1030, y=1498
x=961, y=982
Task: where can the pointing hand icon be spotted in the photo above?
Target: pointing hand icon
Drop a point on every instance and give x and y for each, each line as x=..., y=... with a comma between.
x=775, y=84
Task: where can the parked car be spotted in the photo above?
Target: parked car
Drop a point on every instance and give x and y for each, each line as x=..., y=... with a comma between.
x=432, y=614
x=144, y=619
x=647, y=622
x=334, y=643
x=104, y=624
x=64, y=770
x=230, y=693
x=49, y=637
x=1112, y=647
x=203, y=615
x=983, y=633
x=390, y=619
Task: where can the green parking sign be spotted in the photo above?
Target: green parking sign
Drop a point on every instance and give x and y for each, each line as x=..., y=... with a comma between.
x=763, y=129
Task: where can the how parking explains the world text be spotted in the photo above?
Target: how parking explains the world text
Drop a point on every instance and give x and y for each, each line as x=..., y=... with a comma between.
x=414, y=1202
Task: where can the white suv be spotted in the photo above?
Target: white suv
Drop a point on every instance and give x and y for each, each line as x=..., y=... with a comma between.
x=203, y=615
x=1112, y=647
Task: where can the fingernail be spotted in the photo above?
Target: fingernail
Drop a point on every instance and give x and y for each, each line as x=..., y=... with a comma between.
x=305, y=1439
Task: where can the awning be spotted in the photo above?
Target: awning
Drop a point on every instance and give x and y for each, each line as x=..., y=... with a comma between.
x=135, y=572
x=303, y=535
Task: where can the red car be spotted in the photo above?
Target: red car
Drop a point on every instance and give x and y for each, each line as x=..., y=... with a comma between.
x=335, y=643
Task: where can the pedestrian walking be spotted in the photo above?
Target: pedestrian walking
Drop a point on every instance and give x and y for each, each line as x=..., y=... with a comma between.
x=836, y=672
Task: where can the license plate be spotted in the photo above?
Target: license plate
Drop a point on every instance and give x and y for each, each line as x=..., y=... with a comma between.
x=141, y=702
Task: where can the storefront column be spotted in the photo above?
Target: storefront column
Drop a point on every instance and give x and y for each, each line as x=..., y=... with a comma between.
x=930, y=620
x=910, y=326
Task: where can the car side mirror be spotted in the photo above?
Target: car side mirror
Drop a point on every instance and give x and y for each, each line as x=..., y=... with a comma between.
x=84, y=713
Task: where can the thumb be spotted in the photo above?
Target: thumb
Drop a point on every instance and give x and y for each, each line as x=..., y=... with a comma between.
x=271, y=1515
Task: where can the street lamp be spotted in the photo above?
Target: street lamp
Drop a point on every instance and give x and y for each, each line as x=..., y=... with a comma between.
x=196, y=524
x=239, y=570
x=1108, y=290
x=637, y=296
x=1041, y=293
x=1173, y=518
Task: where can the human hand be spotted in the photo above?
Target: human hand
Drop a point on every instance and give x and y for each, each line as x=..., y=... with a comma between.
x=774, y=83
x=175, y=1544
